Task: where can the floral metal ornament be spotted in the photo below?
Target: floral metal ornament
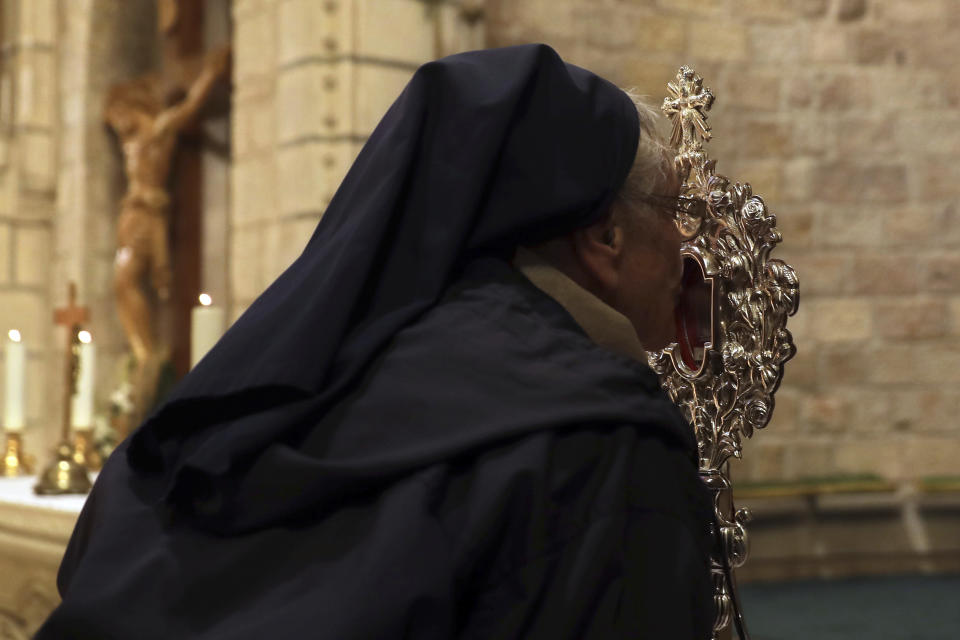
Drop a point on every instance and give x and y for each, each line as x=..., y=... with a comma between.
x=731, y=321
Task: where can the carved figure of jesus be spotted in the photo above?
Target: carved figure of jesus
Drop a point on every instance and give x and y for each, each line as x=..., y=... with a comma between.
x=148, y=132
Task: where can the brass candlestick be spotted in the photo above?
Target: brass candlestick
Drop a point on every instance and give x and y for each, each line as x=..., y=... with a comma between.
x=65, y=474
x=15, y=461
x=84, y=451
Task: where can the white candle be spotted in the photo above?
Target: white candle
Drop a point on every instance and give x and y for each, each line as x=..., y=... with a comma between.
x=16, y=359
x=206, y=327
x=82, y=401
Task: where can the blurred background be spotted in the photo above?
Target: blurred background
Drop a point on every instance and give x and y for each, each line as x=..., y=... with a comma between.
x=844, y=115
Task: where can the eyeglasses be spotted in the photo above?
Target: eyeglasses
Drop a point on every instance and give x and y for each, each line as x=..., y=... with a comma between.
x=679, y=207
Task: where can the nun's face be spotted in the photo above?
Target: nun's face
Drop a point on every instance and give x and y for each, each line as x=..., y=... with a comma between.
x=650, y=283
x=650, y=274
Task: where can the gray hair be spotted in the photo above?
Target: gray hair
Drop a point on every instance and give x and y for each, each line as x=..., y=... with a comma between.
x=653, y=162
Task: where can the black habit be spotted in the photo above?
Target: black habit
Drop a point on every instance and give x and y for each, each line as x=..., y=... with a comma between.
x=404, y=437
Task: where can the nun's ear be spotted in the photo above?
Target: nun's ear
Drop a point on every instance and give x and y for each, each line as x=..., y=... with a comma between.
x=598, y=251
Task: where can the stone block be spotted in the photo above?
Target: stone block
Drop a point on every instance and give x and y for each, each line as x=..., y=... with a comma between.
x=812, y=8
x=300, y=107
x=321, y=100
x=304, y=27
x=875, y=47
x=796, y=225
x=649, y=77
x=846, y=226
x=762, y=138
x=809, y=459
x=893, y=364
x=300, y=187
x=764, y=176
x=36, y=151
x=914, y=12
x=33, y=251
x=828, y=44
x=767, y=10
x=247, y=255
x=881, y=456
x=6, y=251
x=26, y=311
x=253, y=190
x=378, y=87
x=824, y=273
x=801, y=371
x=937, y=178
x=607, y=28
x=937, y=132
x=849, y=183
x=825, y=412
x=753, y=91
x=785, y=412
x=814, y=135
x=911, y=92
x=255, y=42
x=840, y=320
x=693, y=6
x=762, y=461
x=661, y=33
x=911, y=319
x=844, y=92
x=799, y=172
x=718, y=41
x=36, y=89
x=841, y=364
x=885, y=273
x=851, y=10
x=254, y=127
x=941, y=273
x=917, y=364
x=932, y=456
x=38, y=21
x=777, y=44
x=865, y=137
x=395, y=30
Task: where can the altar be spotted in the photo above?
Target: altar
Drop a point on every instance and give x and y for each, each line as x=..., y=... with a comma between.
x=34, y=531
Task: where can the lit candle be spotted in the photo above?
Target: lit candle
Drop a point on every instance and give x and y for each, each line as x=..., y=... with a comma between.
x=206, y=327
x=16, y=358
x=82, y=401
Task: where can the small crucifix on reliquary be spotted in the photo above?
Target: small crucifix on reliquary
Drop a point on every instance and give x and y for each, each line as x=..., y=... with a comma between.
x=148, y=115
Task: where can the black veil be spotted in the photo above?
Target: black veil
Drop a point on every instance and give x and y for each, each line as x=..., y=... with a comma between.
x=482, y=151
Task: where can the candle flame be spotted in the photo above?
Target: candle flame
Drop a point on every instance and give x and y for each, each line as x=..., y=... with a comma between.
x=14, y=335
x=85, y=337
x=205, y=299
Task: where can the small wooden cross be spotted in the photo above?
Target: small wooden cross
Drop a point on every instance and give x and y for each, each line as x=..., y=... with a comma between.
x=71, y=317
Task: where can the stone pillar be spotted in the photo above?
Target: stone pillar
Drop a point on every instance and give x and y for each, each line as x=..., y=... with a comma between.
x=28, y=133
x=312, y=79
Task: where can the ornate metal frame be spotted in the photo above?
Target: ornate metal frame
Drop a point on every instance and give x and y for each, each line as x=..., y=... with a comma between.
x=731, y=394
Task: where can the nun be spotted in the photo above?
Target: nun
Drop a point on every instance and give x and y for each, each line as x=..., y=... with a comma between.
x=438, y=422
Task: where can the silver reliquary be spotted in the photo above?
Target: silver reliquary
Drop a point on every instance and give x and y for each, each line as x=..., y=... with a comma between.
x=731, y=323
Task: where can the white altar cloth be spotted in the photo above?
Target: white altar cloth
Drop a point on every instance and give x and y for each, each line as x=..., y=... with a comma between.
x=20, y=491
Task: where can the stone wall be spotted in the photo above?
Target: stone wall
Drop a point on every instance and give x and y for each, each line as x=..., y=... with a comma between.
x=311, y=80
x=844, y=115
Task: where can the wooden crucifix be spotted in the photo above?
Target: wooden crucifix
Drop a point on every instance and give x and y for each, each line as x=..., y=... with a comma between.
x=157, y=264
